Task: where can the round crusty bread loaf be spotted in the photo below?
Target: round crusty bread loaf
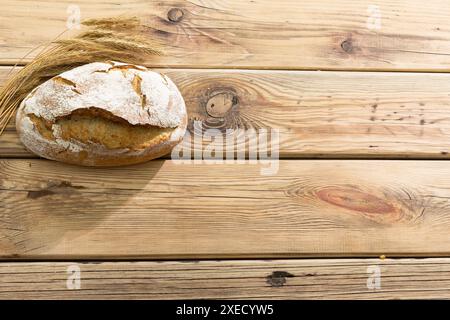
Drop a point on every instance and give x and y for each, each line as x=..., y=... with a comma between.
x=103, y=114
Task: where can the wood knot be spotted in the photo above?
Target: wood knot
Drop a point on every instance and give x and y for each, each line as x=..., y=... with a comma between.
x=54, y=187
x=175, y=15
x=355, y=200
x=382, y=206
x=278, y=278
x=347, y=45
x=218, y=108
x=220, y=103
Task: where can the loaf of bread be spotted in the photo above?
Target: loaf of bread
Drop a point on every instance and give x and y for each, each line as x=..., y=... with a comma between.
x=103, y=114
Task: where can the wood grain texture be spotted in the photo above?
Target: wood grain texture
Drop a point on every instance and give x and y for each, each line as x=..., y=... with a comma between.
x=162, y=209
x=311, y=34
x=242, y=279
x=318, y=114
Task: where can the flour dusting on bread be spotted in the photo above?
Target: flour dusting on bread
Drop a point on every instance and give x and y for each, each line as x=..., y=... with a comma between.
x=109, y=87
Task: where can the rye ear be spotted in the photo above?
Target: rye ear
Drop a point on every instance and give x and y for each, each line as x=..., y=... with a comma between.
x=118, y=38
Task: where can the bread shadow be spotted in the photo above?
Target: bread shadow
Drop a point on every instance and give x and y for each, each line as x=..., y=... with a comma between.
x=64, y=213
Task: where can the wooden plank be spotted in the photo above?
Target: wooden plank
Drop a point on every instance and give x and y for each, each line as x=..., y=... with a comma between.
x=241, y=279
x=318, y=114
x=164, y=210
x=11, y=147
x=311, y=34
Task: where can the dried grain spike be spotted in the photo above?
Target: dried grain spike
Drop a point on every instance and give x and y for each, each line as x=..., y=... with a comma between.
x=117, y=38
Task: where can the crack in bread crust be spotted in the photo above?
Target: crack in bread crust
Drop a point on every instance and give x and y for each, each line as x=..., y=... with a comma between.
x=43, y=126
x=94, y=125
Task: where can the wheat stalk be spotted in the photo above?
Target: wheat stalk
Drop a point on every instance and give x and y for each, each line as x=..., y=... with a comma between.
x=120, y=39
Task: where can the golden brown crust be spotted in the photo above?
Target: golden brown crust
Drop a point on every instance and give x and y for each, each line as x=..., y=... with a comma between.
x=98, y=126
x=159, y=148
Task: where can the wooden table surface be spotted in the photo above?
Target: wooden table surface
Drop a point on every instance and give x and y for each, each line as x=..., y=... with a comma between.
x=360, y=95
